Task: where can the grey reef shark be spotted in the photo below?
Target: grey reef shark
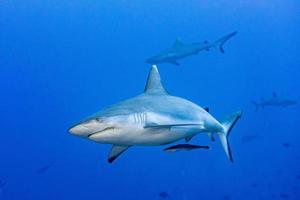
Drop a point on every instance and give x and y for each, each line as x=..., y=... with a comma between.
x=181, y=50
x=274, y=101
x=152, y=118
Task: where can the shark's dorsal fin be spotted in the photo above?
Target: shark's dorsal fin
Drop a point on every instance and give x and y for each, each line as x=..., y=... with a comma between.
x=177, y=43
x=153, y=85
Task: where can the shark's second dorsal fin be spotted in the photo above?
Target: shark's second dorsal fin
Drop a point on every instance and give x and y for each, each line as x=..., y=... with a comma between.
x=153, y=85
x=177, y=43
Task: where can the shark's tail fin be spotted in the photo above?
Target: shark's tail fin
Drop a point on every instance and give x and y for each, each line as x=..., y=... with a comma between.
x=256, y=105
x=220, y=42
x=228, y=124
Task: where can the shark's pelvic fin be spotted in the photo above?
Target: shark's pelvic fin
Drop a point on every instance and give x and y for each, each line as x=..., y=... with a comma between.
x=228, y=124
x=115, y=152
x=177, y=43
x=154, y=85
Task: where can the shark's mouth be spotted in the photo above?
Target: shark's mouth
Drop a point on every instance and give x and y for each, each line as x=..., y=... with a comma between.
x=103, y=130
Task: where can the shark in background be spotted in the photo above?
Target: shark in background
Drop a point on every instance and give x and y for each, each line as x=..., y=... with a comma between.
x=274, y=101
x=180, y=50
x=152, y=118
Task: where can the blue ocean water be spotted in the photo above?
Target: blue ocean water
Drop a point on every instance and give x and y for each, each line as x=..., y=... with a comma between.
x=63, y=60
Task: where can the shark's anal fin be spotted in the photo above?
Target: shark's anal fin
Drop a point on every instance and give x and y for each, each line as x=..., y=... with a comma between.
x=115, y=152
x=175, y=63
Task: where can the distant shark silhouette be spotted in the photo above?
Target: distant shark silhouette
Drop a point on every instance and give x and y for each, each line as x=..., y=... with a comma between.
x=274, y=101
x=150, y=119
x=180, y=50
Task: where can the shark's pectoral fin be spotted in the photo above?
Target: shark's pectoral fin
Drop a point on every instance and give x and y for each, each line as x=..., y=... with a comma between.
x=115, y=152
x=175, y=63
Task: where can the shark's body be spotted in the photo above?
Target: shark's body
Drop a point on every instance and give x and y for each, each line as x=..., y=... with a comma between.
x=150, y=119
x=180, y=50
x=274, y=101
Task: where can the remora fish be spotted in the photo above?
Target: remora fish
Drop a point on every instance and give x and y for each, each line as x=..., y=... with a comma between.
x=180, y=50
x=150, y=119
x=184, y=147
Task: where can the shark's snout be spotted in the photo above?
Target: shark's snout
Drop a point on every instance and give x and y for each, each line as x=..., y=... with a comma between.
x=87, y=128
x=78, y=130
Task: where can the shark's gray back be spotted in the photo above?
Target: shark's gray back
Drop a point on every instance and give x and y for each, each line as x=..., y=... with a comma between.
x=164, y=104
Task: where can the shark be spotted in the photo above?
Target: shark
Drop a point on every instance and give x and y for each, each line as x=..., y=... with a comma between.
x=152, y=118
x=274, y=101
x=181, y=50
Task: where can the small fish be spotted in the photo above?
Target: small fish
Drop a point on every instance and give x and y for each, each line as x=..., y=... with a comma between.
x=184, y=147
x=254, y=185
x=164, y=195
x=286, y=144
x=2, y=184
x=284, y=196
x=43, y=169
